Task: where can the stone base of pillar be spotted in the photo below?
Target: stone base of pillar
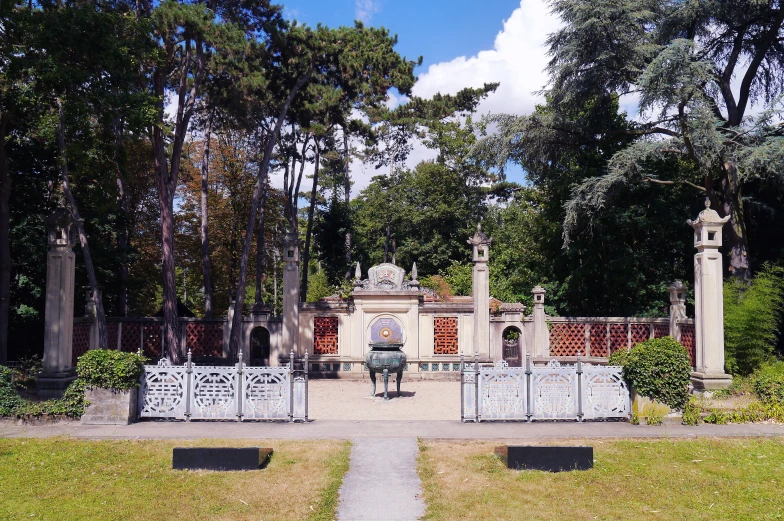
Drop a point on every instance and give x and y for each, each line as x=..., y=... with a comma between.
x=261, y=311
x=710, y=381
x=53, y=385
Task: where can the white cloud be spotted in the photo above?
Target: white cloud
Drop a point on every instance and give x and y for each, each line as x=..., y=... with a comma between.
x=365, y=9
x=517, y=60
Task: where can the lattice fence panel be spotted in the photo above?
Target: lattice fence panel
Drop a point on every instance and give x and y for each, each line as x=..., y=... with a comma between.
x=111, y=336
x=687, y=339
x=80, y=342
x=640, y=333
x=325, y=335
x=204, y=338
x=445, y=335
x=661, y=330
x=567, y=339
x=152, y=340
x=618, y=338
x=131, y=337
x=598, y=339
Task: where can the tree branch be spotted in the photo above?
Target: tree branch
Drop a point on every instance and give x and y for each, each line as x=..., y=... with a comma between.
x=677, y=182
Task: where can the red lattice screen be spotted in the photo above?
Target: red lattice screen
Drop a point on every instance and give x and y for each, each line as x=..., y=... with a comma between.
x=661, y=330
x=687, y=339
x=111, y=336
x=618, y=337
x=204, y=338
x=80, y=341
x=567, y=339
x=640, y=333
x=152, y=340
x=131, y=336
x=598, y=340
x=445, y=335
x=325, y=335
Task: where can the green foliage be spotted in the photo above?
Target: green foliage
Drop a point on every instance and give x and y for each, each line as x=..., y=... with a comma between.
x=692, y=412
x=10, y=400
x=753, y=314
x=754, y=412
x=110, y=369
x=768, y=383
x=659, y=369
x=618, y=358
x=318, y=287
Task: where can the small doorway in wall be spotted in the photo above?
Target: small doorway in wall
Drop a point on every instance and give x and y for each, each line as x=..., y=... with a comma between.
x=260, y=346
x=511, y=345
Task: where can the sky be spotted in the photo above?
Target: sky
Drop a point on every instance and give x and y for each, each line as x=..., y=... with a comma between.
x=464, y=43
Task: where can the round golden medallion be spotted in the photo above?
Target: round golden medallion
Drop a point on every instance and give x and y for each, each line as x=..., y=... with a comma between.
x=386, y=332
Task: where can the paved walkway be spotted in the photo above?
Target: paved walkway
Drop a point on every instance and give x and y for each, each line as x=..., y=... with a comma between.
x=335, y=429
x=382, y=483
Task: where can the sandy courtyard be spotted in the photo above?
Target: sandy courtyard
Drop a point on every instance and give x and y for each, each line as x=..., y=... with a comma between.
x=351, y=400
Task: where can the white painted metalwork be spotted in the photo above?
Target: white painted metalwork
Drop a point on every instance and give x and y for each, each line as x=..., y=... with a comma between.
x=605, y=394
x=555, y=391
x=224, y=393
x=163, y=390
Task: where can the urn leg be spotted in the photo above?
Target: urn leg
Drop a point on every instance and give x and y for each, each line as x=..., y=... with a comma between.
x=386, y=384
x=373, y=381
x=399, y=377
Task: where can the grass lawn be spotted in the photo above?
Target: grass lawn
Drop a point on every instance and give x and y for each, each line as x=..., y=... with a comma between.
x=663, y=479
x=66, y=479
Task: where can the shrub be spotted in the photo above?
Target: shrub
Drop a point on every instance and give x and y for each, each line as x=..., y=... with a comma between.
x=659, y=369
x=752, y=318
x=110, y=369
x=692, y=412
x=618, y=358
x=319, y=287
x=769, y=387
x=10, y=400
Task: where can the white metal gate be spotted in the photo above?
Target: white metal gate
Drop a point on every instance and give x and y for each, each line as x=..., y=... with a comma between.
x=551, y=392
x=236, y=392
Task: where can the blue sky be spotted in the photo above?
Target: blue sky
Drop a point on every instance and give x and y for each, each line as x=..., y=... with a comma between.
x=438, y=30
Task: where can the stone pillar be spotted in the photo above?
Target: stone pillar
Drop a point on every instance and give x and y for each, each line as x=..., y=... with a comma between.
x=291, y=246
x=708, y=302
x=677, y=308
x=480, y=285
x=541, y=343
x=58, y=371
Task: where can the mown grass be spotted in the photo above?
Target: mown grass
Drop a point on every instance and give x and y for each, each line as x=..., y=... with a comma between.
x=67, y=479
x=711, y=479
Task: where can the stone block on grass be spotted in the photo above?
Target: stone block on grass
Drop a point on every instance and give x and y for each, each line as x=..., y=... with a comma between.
x=549, y=459
x=220, y=458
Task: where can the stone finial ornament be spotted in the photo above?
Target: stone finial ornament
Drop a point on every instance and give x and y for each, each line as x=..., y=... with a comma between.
x=414, y=272
x=479, y=237
x=358, y=272
x=60, y=230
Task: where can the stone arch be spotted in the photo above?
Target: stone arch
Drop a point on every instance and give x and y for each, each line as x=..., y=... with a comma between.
x=260, y=346
x=512, y=340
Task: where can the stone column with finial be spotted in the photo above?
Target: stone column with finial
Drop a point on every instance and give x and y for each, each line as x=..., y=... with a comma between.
x=709, y=302
x=677, y=308
x=291, y=246
x=541, y=340
x=480, y=284
x=58, y=371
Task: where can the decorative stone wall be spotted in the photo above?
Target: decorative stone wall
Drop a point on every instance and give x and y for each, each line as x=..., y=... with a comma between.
x=325, y=335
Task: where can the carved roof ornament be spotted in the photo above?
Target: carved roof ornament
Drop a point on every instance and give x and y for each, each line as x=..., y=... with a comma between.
x=479, y=237
x=386, y=277
x=708, y=216
x=61, y=229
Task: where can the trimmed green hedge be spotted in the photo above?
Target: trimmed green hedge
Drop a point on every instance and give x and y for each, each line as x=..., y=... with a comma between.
x=110, y=369
x=618, y=358
x=659, y=369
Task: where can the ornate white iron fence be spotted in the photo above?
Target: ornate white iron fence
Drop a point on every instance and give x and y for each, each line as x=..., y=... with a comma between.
x=564, y=392
x=236, y=392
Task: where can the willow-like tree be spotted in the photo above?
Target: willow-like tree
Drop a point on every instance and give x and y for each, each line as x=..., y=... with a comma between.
x=697, y=68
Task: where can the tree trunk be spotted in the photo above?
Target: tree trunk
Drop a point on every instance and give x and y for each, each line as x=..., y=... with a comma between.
x=732, y=203
x=236, y=324
x=295, y=192
x=88, y=260
x=347, y=197
x=5, y=242
x=260, y=241
x=123, y=226
x=205, y=244
x=309, y=230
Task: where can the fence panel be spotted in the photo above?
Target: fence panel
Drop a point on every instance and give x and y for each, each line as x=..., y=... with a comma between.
x=224, y=393
x=551, y=392
x=503, y=392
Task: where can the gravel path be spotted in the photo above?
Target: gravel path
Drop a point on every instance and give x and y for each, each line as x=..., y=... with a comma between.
x=351, y=400
x=382, y=483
